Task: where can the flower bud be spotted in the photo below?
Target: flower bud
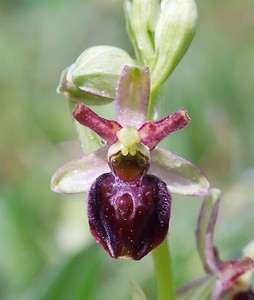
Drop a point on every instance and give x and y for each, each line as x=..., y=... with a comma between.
x=75, y=94
x=174, y=32
x=141, y=16
x=97, y=69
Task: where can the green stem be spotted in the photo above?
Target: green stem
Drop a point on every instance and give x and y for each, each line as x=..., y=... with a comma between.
x=150, y=113
x=163, y=269
x=161, y=255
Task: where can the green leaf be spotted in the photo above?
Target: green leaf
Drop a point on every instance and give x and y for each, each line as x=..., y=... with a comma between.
x=199, y=289
x=136, y=291
x=90, y=141
x=76, y=280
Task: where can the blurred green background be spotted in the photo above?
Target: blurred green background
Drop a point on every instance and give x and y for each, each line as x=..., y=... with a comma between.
x=46, y=252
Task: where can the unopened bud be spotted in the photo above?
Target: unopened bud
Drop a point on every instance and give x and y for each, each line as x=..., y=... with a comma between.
x=75, y=94
x=174, y=32
x=141, y=16
x=97, y=70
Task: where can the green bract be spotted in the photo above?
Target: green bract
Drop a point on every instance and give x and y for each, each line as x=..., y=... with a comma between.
x=97, y=69
x=93, y=77
x=75, y=94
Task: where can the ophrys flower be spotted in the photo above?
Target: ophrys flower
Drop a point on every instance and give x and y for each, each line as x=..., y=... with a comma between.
x=128, y=205
x=224, y=280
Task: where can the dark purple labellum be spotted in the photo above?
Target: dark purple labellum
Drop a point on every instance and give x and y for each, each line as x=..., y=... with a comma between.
x=244, y=296
x=129, y=219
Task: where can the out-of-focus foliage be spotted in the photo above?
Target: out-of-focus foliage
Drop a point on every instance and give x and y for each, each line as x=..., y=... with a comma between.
x=45, y=250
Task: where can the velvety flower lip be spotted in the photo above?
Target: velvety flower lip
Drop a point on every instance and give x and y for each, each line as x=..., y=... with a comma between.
x=223, y=280
x=129, y=180
x=129, y=219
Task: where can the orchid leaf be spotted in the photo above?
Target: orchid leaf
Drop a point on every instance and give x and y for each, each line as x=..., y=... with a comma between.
x=90, y=141
x=132, y=96
x=76, y=278
x=180, y=175
x=199, y=289
x=204, y=234
x=78, y=175
x=136, y=291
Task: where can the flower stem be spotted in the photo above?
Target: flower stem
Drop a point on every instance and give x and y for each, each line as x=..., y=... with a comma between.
x=150, y=113
x=162, y=263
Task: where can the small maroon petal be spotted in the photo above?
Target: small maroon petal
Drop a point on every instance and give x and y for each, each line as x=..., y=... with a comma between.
x=106, y=129
x=129, y=219
x=152, y=132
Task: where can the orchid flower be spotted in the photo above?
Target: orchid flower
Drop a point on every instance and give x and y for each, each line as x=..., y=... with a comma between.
x=223, y=280
x=130, y=179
